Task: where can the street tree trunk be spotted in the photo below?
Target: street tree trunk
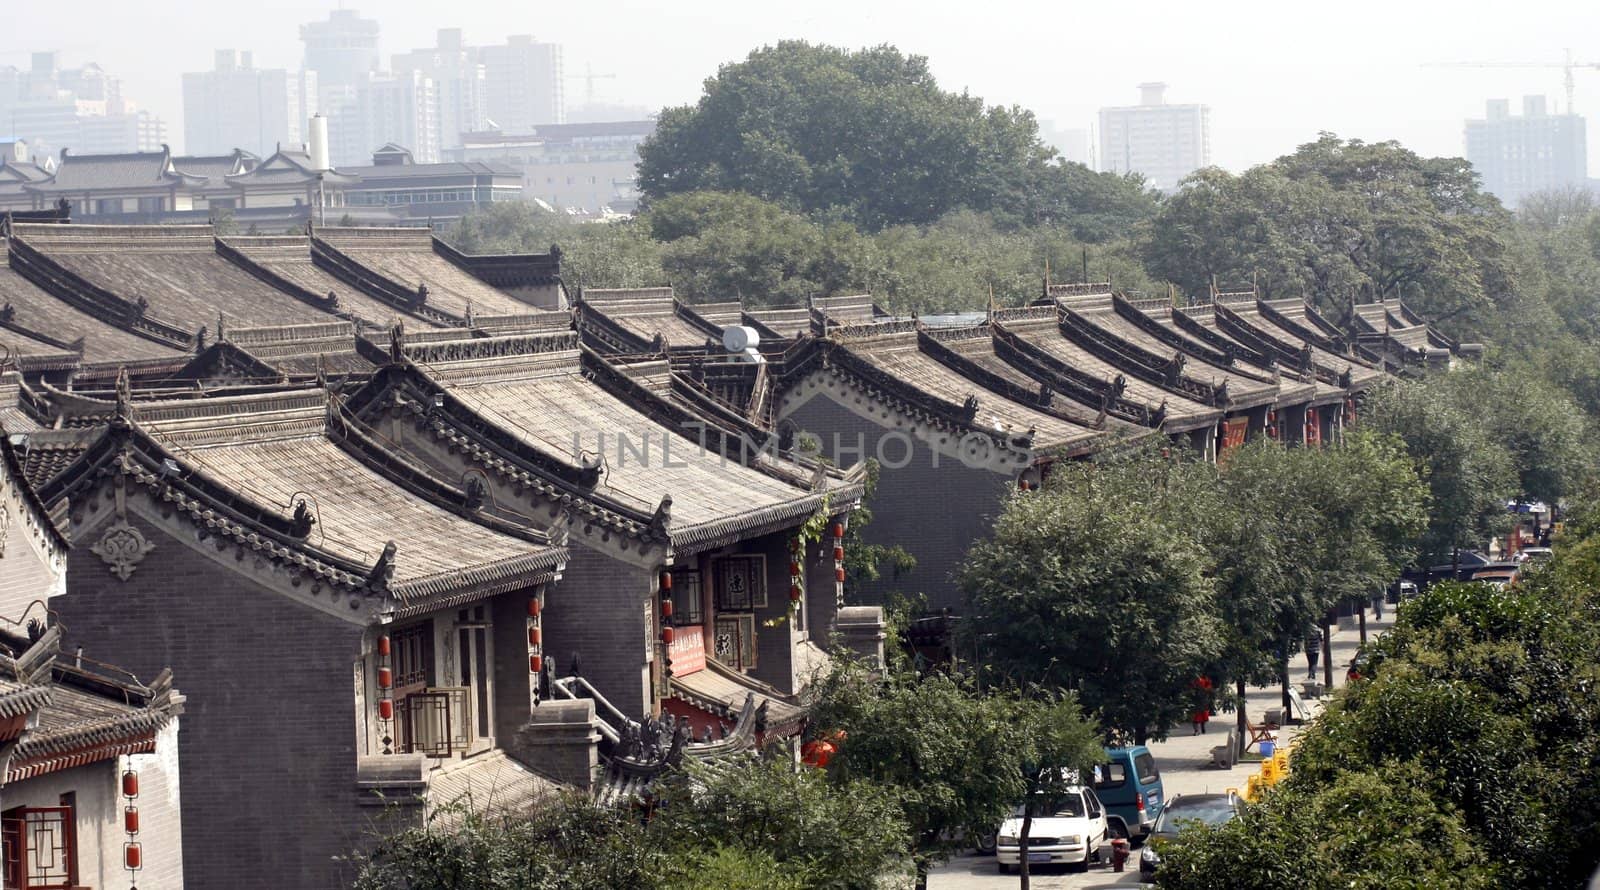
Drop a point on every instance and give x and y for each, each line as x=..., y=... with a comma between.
x=1327, y=663
x=1283, y=682
x=1361, y=614
x=1241, y=719
x=1022, y=844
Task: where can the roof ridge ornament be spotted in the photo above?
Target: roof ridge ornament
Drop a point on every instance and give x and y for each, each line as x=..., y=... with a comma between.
x=663, y=515
x=383, y=570
x=397, y=342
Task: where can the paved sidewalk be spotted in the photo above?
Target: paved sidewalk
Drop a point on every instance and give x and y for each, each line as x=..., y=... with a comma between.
x=1185, y=762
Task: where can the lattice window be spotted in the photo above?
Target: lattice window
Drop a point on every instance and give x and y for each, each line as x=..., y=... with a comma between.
x=741, y=583
x=413, y=654
x=40, y=848
x=686, y=597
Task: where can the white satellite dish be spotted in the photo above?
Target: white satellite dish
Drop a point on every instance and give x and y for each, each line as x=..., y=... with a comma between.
x=738, y=338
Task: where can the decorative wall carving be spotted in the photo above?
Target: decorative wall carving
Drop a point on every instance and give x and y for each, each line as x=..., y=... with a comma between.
x=122, y=548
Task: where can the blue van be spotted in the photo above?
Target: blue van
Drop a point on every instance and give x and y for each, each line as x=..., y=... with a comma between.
x=1129, y=785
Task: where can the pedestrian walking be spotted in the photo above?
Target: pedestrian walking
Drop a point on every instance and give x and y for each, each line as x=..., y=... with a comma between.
x=1202, y=704
x=1377, y=603
x=1313, y=649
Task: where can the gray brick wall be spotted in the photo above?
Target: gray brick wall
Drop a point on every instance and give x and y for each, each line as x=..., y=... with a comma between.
x=267, y=749
x=936, y=513
x=597, y=611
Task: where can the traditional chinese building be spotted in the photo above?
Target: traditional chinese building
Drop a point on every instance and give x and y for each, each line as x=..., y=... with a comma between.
x=353, y=624
x=686, y=592
x=89, y=779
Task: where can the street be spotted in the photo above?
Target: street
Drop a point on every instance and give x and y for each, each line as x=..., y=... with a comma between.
x=1185, y=762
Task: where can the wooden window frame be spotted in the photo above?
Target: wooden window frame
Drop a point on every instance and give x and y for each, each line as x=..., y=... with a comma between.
x=756, y=571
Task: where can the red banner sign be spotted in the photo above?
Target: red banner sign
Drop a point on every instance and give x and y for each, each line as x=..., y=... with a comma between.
x=687, y=651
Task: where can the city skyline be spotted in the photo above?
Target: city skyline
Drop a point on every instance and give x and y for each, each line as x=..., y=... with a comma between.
x=1269, y=89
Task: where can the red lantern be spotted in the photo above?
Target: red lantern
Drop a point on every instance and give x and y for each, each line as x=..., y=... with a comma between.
x=838, y=554
x=130, y=820
x=385, y=678
x=535, y=663
x=794, y=593
x=838, y=574
x=794, y=567
x=667, y=635
x=130, y=784
x=794, y=545
x=838, y=529
x=535, y=636
x=383, y=645
x=666, y=609
x=133, y=856
x=534, y=607
x=385, y=709
x=666, y=580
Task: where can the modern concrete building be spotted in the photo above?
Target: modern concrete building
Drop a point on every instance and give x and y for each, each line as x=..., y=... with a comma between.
x=78, y=108
x=525, y=85
x=343, y=50
x=582, y=168
x=1517, y=156
x=1163, y=142
x=459, y=84
x=398, y=108
x=237, y=105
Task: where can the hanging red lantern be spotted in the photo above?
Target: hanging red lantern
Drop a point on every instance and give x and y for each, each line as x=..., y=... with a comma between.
x=666, y=580
x=535, y=636
x=385, y=709
x=535, y=663
x=794, y=593
x=130, y=784
x=385, y=678
x=667, y=635
x=130, y=820
x=133, y=856
x=383, y=645
x=838, y=529
x=794, y=545
x=666, y=608
x=794, y=567
x=838, y=574
x=838, y=554
x=534, y=607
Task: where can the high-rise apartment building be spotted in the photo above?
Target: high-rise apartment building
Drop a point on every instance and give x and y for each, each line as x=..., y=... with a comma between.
x=237, y=105
x=458, y=82
x=1517, y=156
x=78, y=108
x=398, y=108
x=342, y=50
x=524, y=84
x=1163, y=142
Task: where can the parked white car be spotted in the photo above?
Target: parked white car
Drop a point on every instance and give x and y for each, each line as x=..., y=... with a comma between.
x=1068, y=829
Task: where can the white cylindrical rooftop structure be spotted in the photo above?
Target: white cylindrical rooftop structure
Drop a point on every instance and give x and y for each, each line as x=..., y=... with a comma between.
x=318, y=148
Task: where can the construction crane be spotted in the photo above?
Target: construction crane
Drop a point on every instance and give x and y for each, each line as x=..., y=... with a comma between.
x=589, y=77
x=1567, y=67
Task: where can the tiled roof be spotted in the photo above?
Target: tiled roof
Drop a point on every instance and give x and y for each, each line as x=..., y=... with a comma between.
x=274, y=449
x=1040, y=330
x=407, y=257
x=548, y=402
x=15, y=415
x=175, y=270
x=1245, y=385
x=646, y=312
x=899, y=355
x=491, y=782
x=722, y=690
x=34, y=310
x=1254, y=320
x=288, y=257
x=83, y=712
x=975, y=346
x=79, y=173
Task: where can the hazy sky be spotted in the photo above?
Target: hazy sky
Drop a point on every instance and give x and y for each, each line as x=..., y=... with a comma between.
x=1274, y=73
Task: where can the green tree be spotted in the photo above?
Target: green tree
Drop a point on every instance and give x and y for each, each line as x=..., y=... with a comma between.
x=1057, y=748
x=867, y=132
x=951, y=757
x=1469, y=475
x=1100, y=583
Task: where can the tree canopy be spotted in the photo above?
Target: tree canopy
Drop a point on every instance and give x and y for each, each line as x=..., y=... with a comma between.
x=870, y=136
